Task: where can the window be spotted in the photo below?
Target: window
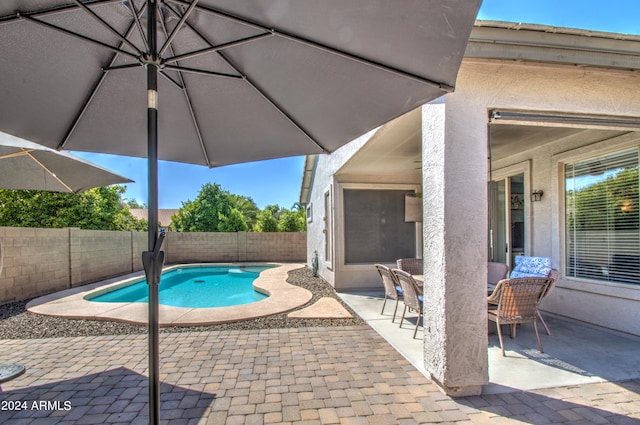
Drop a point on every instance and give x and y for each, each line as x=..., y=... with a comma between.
x=374, y=226
x=328, y=245
x=602, y=218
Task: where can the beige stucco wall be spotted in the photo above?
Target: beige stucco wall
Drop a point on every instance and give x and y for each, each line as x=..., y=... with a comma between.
x=454, y=237
x=41, y=261
x=324, y=181
x=484, y=85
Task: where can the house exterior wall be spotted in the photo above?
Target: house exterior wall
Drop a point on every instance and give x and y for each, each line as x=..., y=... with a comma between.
x=41, y=261
x=324, y=181
x=484, y=85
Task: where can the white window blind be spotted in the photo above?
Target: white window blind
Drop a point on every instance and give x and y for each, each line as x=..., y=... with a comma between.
x=602, y=218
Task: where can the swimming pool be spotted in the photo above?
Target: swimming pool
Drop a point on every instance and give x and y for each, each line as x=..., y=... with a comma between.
x=194, y=287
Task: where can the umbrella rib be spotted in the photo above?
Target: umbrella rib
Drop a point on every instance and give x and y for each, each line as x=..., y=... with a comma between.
x=216, y=48
x=53, y=10
x=80, y=36
x=179, y=25
x=101, y=21
x=272, y=102
x=280, y=109
x=52, y=174
x=202, y=71
x=83, y=109
x=136, y=18
x=171, y=80
x=324, y=47
x=21, y=152
x=185, y=92
x=91, y=95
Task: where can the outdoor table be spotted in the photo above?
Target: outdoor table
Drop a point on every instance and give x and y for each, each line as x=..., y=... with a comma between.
x=10, y=371
x=419, y=278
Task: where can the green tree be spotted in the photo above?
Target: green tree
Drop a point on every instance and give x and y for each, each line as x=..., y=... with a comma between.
x=610, y=202
x=293, y=220
x=133, y=204
x=248, y=208
x=213, y=210
x=276, y=219
x=266, y=222
x=100, y=208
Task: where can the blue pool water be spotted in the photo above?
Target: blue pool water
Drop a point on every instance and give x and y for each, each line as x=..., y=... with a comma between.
x=196, y=287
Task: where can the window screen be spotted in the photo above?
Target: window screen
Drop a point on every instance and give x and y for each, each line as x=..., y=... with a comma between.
x=374, y=227
x=602, y=218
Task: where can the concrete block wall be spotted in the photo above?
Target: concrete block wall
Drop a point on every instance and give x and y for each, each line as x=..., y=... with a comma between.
x=97, y=254
x=200, y=247
x=35, y=262
x=41, y=261
x=281, y=247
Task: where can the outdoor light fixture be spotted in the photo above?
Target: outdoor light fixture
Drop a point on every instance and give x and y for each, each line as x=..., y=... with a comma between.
x=536, y=195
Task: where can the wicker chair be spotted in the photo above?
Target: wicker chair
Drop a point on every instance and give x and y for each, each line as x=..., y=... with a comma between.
x=554, y=275
x=410, y=265
x=496, y=272
x=411, y=297
x=392, y=288
x=518, y=301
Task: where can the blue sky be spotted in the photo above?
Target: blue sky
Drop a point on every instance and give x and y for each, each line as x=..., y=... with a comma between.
x=278, y=181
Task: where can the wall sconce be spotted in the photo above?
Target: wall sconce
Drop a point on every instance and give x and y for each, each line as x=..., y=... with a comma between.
x=536, y=195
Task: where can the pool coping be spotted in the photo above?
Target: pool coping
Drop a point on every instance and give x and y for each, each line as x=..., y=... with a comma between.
x=71, y=303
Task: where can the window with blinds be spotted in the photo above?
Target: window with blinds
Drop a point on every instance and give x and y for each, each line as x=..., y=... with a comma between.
x=602, y=218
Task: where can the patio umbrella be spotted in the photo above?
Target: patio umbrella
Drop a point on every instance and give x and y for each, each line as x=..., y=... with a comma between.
x=223, y=81
x=27, y=165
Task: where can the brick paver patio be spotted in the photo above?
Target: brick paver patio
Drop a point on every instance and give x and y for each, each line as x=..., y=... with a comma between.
x=334, y=375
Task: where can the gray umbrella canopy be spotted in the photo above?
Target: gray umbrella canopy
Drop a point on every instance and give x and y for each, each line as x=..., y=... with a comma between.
x=223, y=81
x=239, y=80
x=27, y=165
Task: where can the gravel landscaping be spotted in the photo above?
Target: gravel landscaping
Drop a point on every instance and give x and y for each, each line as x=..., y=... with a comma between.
x=17, y=323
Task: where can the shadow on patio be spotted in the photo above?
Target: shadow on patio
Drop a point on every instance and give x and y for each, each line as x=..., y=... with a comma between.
x=574, y=354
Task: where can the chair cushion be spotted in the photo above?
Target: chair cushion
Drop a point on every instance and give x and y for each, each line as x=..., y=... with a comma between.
x=399, y=290
x=531, y=267
x=421, y=298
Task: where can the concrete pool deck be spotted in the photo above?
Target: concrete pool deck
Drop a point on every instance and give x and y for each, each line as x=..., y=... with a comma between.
x=72, y=303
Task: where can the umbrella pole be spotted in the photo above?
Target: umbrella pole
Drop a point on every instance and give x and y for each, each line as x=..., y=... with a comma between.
x=153, y=258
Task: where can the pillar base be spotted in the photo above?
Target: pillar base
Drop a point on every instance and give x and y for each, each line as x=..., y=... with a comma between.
x=466, y=391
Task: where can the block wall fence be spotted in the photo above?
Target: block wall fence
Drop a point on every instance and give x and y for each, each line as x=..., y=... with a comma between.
x=37, y=262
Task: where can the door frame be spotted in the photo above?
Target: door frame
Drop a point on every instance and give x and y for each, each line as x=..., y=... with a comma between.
x=524, y=168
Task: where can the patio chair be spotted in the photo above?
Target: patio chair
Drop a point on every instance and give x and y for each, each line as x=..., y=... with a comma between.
x=528, y=266
x=517, y=304
x=495, y=273
x=554, y=275
x=410, y=265
x=412, y=299
x=392, y=288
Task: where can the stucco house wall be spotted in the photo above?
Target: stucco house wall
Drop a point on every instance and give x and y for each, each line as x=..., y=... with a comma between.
x=324, y=183
x=485, y=84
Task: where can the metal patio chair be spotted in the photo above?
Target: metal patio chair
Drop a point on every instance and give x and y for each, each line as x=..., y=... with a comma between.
x=392, y=288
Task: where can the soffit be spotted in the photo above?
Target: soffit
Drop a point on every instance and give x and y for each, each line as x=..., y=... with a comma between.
x=395, y=148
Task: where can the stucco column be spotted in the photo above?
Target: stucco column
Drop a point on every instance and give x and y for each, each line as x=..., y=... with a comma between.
x=455, y=257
